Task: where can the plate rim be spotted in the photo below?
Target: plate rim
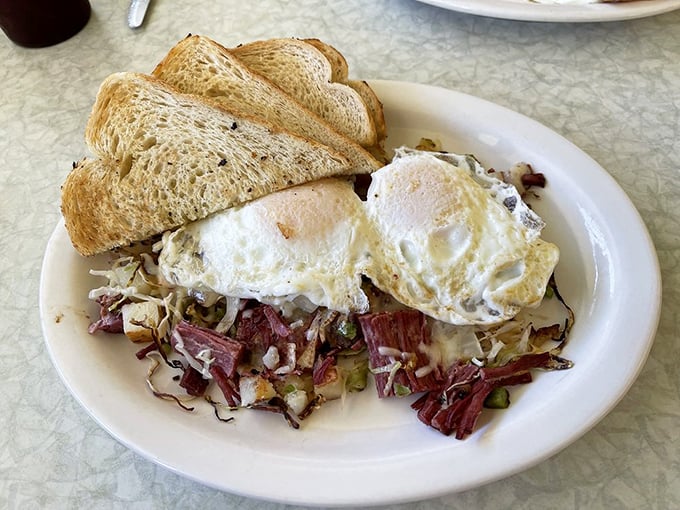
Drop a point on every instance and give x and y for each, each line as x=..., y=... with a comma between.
x=510, y=10
x=359, y=497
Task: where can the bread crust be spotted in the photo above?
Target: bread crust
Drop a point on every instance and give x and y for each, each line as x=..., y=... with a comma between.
x=304, y=72
x=340, y=74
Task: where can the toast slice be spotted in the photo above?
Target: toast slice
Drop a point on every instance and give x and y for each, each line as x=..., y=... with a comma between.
x=166, y=159
x=201, y=66
x=340, y=73
x=305, y=73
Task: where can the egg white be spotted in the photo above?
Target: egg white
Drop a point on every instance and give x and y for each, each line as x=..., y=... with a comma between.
x=449, y=247
x=302, y=245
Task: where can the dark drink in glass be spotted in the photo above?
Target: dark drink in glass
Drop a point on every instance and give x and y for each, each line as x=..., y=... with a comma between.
x=40, y=23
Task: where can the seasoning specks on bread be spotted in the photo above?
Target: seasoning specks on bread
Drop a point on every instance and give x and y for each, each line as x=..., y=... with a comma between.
x=164, y=158
x=198, y=65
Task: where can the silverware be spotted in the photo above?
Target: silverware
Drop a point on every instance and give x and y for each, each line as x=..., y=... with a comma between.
x=136, y=12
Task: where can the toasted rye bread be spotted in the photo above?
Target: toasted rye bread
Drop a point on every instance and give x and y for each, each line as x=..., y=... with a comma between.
x=340, y=73
x=166, y=159
x=199, y=65
x=303, y=71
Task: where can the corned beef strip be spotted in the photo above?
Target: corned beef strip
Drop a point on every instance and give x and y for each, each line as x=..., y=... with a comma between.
x=261, y=326
x=457, y=403
x=193, y=382
x=225, y=351
x=109, y=321
x=228, y=386
x=254, y=329
x=398, y=337
x=324, y=370
x=278, y=326
x=141, y=354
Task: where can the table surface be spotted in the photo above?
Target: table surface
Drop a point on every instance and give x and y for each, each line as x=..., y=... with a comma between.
x=611, y=88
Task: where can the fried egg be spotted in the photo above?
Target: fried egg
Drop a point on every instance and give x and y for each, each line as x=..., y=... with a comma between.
x=303, y=245
x=436, y=232
x=453, y=241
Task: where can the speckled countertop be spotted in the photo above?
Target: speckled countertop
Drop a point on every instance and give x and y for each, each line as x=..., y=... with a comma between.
x=611, y=88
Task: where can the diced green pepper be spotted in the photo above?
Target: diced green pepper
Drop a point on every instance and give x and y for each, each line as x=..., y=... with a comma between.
x=499, y=398
x=347, y=329
x=356, y=374
x=400, y=390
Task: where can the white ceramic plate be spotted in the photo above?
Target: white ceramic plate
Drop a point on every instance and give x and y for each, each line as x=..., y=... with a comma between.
x=368, y=451
x=525, y=10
